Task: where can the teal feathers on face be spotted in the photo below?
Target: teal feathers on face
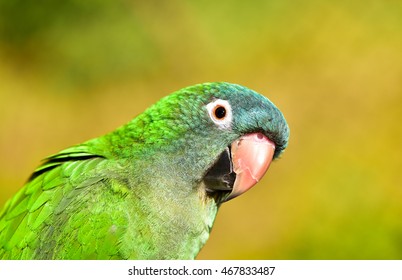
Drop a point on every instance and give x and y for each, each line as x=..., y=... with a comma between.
x=148, y=190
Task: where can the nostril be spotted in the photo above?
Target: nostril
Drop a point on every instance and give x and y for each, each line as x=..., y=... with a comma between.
x=260, y=136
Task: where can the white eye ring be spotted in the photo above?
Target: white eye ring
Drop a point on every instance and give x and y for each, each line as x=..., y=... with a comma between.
x=220, y=113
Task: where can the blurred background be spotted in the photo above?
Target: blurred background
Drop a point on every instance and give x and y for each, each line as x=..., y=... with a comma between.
x=73, y=70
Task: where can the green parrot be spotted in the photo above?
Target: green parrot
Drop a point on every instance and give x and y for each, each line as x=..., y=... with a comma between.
x=150, y=189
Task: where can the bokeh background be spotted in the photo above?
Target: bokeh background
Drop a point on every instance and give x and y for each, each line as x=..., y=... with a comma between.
x=72, y=70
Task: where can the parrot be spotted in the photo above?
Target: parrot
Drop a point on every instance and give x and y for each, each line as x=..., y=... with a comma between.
x=150, y=189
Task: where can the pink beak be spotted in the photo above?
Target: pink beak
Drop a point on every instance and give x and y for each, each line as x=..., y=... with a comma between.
x=251, y=156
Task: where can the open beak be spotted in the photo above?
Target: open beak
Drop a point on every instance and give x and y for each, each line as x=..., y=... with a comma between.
x=251, y=156
x=240, y=166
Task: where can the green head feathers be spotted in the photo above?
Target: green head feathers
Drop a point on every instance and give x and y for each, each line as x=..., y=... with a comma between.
x=182, y=120
x=181, y=136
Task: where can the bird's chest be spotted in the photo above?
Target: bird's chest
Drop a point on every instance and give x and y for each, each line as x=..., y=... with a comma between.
x=166, y=227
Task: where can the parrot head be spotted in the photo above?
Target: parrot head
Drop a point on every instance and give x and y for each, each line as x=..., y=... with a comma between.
x=221, y=136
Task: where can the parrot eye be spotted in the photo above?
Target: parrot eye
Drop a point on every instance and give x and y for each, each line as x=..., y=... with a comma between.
x=220, y=113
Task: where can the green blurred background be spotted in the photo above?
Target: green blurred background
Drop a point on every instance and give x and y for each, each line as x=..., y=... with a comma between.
x=72, y=70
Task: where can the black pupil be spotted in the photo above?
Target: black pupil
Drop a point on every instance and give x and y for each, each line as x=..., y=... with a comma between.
x=220, y=112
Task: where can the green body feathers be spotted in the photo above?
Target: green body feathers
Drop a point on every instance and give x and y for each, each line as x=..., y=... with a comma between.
x=137, y=192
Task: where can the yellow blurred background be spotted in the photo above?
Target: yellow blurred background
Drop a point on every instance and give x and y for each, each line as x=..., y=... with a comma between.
x=73, y=70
